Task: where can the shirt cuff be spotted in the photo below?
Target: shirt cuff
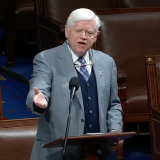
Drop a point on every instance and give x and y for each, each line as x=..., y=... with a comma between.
x=38, y=110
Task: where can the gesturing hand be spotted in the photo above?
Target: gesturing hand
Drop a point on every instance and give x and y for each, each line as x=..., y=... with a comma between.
x=39, y=99
x=117, y=145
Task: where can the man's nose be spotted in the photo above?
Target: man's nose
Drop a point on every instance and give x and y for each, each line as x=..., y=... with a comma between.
x=83, y=35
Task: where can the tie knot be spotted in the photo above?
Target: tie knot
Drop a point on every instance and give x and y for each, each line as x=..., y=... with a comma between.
x=81, y=60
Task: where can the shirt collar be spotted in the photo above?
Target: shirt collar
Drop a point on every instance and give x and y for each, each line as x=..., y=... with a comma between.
x=75, y=57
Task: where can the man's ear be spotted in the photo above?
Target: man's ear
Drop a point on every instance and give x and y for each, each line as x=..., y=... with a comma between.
x=98, y=33
x=66, y=31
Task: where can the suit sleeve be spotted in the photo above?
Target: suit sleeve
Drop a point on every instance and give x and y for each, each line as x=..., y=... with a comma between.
x=114, y=114
x=41, y=78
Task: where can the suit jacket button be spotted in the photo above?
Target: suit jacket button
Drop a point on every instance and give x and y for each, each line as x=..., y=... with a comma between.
x=82, y=120
x=89, y=98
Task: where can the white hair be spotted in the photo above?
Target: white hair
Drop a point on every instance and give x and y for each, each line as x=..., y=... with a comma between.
x=83, y=14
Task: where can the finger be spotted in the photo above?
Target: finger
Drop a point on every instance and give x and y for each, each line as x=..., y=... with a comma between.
x=36, y=101
x=116, y=145
x=36, y=90
x=41, y=104
x=38, y=104
x=44, y=105
x=120, y=144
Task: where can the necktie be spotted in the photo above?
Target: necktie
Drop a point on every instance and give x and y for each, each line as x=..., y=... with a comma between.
x=83, y=69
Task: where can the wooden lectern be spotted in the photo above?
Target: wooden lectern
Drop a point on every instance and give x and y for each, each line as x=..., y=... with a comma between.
x=89, y=141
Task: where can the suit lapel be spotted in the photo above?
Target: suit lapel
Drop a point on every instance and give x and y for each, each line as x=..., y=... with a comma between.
x=99, y=74
x=66, y=63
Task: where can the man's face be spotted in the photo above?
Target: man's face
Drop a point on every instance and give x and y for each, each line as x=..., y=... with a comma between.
x=81, y=36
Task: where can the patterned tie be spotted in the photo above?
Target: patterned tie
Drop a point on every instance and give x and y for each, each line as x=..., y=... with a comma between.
x=83, y=69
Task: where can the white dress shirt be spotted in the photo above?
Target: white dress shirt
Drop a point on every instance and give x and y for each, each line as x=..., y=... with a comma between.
x=78, y=64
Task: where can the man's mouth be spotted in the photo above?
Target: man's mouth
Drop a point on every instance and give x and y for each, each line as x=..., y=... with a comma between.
x=82, y=43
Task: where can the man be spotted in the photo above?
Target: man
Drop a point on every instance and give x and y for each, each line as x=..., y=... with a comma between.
x=96, y=106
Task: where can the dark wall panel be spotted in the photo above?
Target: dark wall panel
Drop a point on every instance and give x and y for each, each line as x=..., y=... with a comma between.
x=60, y=9
x=139, y=3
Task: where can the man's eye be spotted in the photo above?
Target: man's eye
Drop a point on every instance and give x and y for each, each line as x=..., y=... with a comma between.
x=78, y=31
x=90, y=33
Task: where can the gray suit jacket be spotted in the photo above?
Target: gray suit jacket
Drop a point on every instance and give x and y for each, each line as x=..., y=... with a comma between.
x=53, y=70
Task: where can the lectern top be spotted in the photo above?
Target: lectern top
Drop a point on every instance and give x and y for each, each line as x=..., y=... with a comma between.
x=91, y=138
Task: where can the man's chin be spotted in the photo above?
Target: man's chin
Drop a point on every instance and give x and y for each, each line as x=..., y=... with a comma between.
x=80, y=54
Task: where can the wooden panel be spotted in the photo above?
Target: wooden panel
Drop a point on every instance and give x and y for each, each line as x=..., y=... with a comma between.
x=153, y=77
x=141, y=117
x=50, y=33
x=153, y=86
x=155, y=135
x=19, y=123
x=138, y=3
x=125, y=10
x=60, y=10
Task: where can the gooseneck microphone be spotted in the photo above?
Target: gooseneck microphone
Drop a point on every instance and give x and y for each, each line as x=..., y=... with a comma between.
x=73, y=86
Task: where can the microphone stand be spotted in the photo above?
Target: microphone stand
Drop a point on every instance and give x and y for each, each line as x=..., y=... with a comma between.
x=67, y=127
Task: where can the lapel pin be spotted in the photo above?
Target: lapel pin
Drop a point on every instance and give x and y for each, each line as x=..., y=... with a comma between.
x=100, y=73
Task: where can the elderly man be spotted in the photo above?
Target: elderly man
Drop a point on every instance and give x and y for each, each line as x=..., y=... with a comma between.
x=96, y=106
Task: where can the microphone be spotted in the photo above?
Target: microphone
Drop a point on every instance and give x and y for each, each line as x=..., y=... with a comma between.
x=73, y=86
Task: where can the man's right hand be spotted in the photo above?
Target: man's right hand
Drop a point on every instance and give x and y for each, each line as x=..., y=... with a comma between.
x=39, y=99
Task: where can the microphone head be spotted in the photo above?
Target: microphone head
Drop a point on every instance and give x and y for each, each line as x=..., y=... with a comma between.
x=74, y=82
